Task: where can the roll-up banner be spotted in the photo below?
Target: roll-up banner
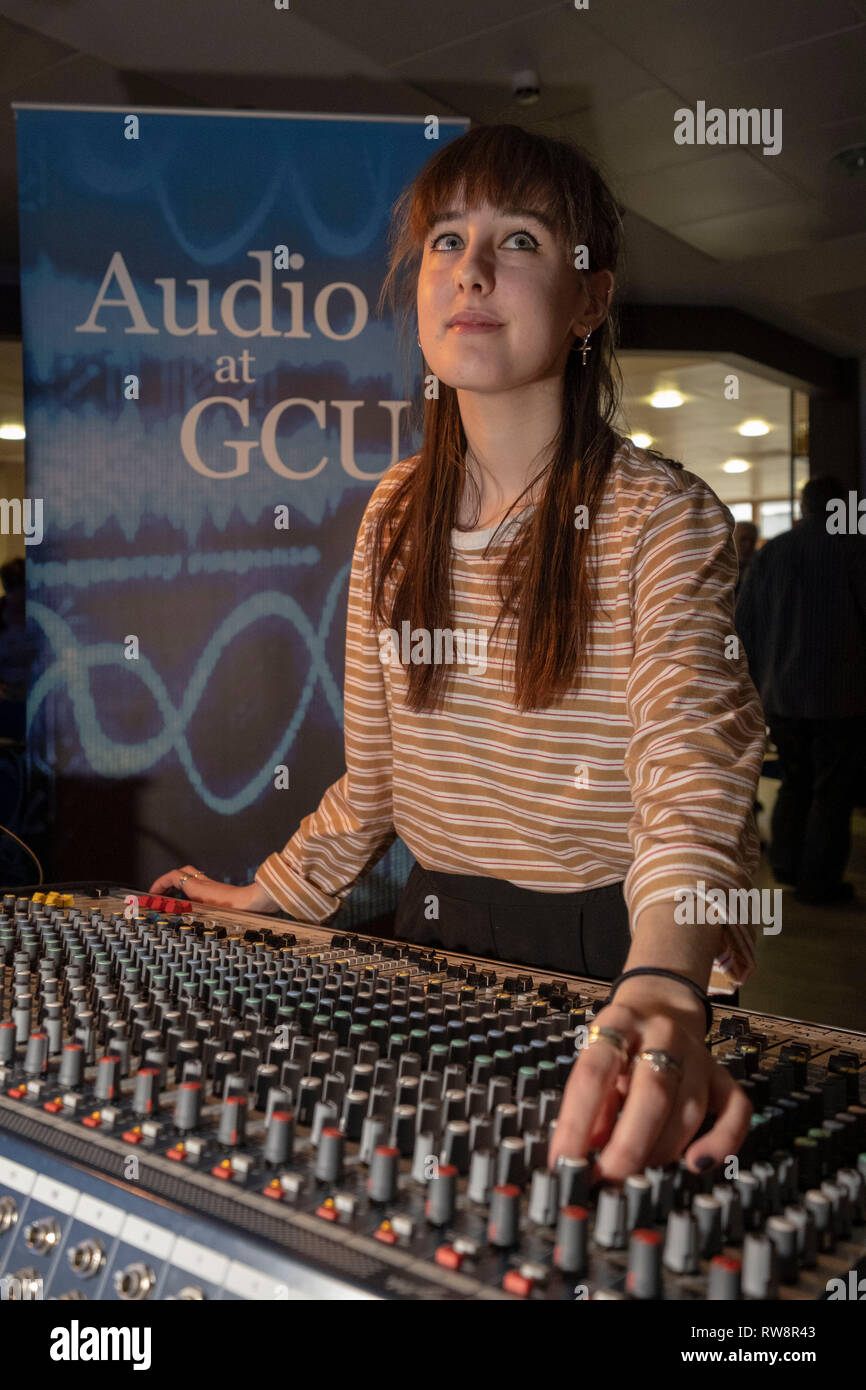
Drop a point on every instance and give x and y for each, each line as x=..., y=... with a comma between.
x=209, y=401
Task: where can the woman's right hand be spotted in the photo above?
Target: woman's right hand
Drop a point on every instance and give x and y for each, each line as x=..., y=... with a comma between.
x=210, y=892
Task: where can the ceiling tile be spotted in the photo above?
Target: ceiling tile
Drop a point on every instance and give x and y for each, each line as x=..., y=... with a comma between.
x=815, y=82
x=675, y=36
x=634, y=135
x=727, y=182
x=785, y=226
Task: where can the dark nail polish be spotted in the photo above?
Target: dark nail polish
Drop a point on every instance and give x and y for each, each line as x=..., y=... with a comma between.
x=704, y=1162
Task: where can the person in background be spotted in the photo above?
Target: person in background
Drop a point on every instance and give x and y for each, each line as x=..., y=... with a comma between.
x=745, y=539
x=801, y=616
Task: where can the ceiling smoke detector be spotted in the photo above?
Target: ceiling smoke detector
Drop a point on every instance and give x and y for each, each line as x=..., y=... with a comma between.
x=525, y=87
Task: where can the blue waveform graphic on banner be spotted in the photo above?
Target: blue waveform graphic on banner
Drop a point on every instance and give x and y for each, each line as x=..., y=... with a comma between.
x=70, y=672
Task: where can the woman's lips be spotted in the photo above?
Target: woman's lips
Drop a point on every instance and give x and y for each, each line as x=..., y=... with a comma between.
x=474, y=327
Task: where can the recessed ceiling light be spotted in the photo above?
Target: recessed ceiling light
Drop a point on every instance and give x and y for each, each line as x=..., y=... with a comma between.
x=11, y=431
x=753, y=427
x=666, y=400
x=736, y=466
x=643, y=441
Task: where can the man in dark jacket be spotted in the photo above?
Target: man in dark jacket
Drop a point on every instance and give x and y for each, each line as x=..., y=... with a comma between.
x=801, y=616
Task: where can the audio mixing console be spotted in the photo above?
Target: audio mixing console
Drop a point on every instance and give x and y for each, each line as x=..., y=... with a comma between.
x=196, y=1104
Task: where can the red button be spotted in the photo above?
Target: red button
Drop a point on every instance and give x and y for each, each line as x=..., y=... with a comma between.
x=17, y=1092
x=92, y=1121
x=449, y=1257
x=387, y=1237
x=144, y=900
x=220, y=1172
x=328, y=1213
x=52, y=1106
x=130, y=1136
x=515, y=1282
x=177, y=1154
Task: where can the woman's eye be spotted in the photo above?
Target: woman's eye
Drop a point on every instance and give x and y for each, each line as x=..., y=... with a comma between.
x=526, y=237
x=434, y=245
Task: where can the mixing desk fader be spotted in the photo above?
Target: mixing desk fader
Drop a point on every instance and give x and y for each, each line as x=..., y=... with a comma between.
x=196, y=1104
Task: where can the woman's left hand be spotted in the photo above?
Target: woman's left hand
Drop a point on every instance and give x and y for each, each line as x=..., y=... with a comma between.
x=639, y=1117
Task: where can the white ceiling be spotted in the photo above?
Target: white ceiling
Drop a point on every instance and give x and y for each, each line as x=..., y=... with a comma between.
x=781, y=237
x=702, y=432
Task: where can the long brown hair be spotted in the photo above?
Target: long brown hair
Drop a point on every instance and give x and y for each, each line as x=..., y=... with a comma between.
x=544, y=581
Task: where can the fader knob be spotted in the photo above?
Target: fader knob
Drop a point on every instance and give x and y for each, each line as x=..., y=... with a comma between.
x=569, y=1253
x=783, y=1234
x=36, y=1056
x=187, y=1109
x=267, y=1076
x=382, y=1182
x=374, y=1133
x=804, y=1225
x=71, y=1066
x=107, y=1077
x=610, y=1229
x=731, y=1212
x=455, y=1145
x=681, y=1243
x=818, y=1204
x=481, y=1175
x=424, y=1156
x=573, y=1176
x=759, y=1266
x=503, y=1226
x=233, y=1121
x=707, y=1212
x=544, y=1198
x=510, y=1163
x=441, y=1195
x=724, y=1280
x=402, y=1135
x=145, y=1099
x=643, y=1274
x=329, y=1157
x=280, y=1137
x=638, y=1201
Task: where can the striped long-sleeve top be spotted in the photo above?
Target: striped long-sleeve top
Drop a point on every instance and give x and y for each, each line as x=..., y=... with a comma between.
x=647, y=774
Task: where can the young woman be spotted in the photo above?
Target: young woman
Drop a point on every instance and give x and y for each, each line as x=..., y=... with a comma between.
x=543, y=693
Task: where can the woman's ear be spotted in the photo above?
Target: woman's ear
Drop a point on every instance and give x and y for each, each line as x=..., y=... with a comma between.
x=599, y=290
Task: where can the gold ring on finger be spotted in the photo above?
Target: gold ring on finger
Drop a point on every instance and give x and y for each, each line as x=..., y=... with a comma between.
x=660, y=1060
x=612, y=1037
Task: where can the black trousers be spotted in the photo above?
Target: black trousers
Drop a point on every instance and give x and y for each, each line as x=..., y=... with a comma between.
x=581, y=933
x=821, y=765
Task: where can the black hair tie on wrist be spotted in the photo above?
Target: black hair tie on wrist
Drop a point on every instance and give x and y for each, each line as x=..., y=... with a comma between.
x=668, y=975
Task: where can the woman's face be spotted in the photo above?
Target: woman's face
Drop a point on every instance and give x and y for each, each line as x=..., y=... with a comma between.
x=513, y=269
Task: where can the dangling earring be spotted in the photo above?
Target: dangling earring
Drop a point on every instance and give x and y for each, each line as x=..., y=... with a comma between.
x=583, y=349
